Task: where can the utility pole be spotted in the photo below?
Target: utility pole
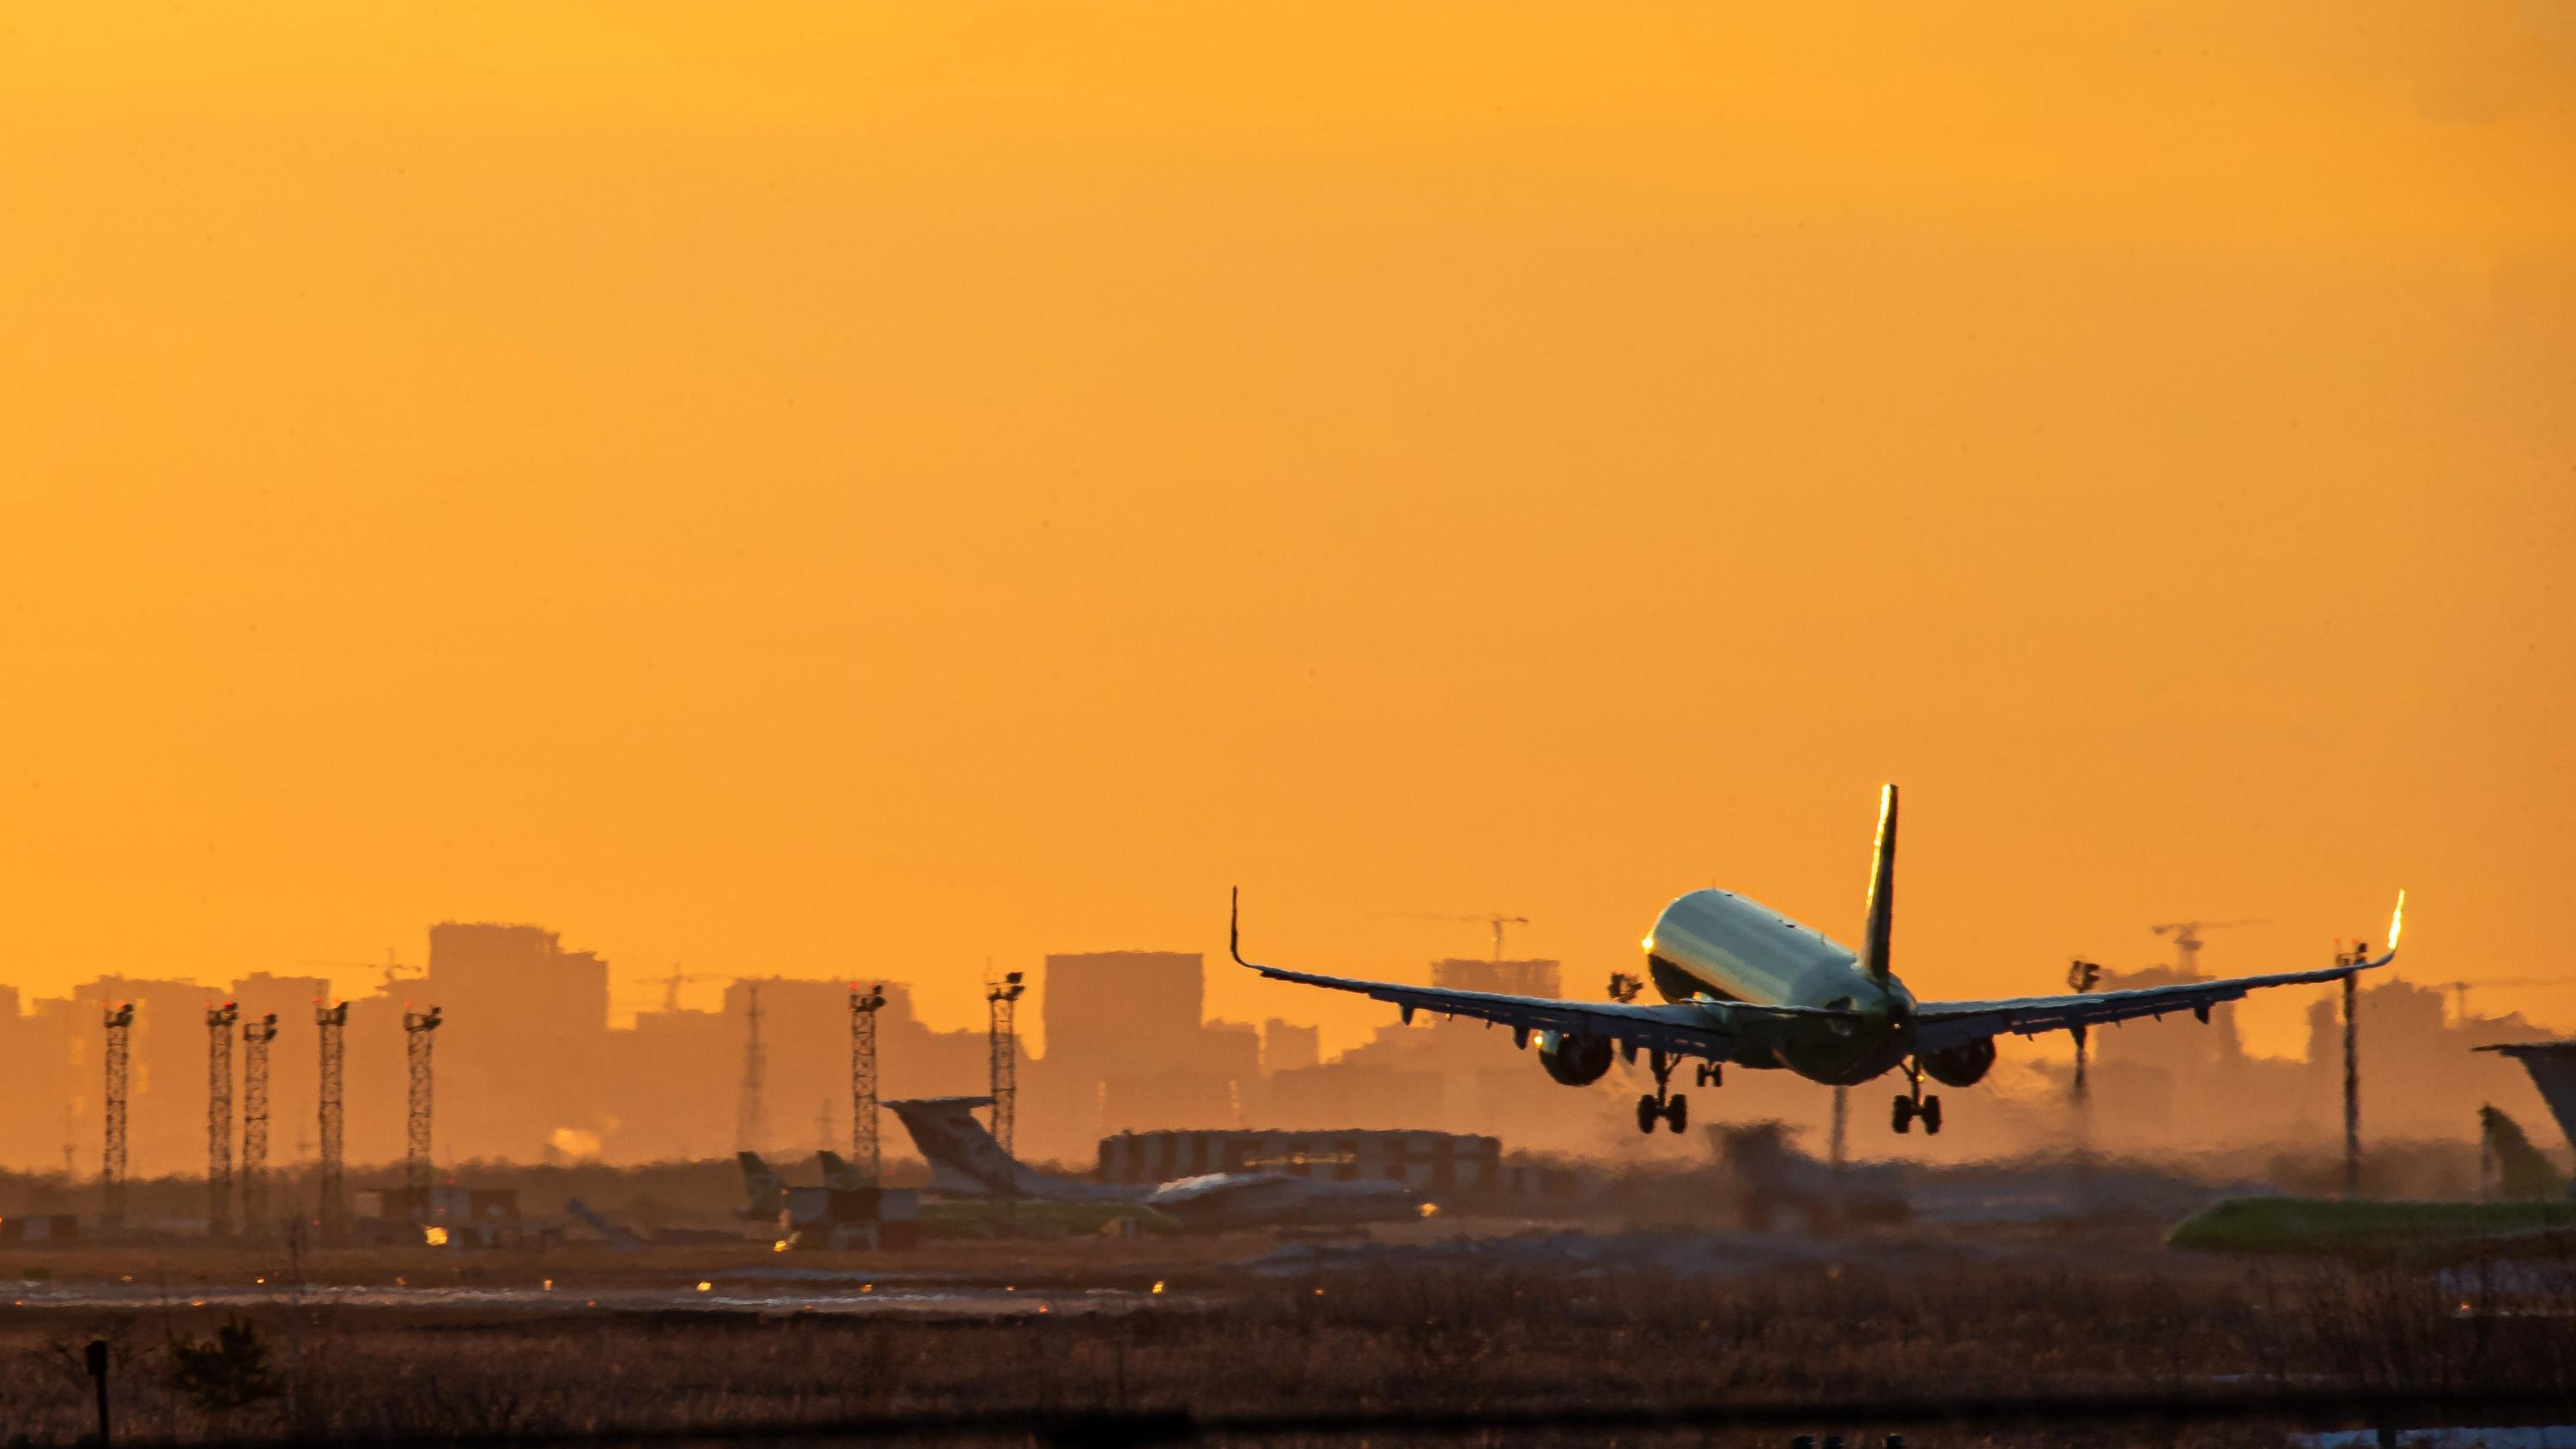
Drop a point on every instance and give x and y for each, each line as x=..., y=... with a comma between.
x=864, y=1151
x=119, y=1021
x=1835, y=1149
x=417, y=1027
x=220, y=1021
x=2352, y=1069
x=751, y=1124
x=1003, y=1038
x=256, y=1035
x=331, y=1021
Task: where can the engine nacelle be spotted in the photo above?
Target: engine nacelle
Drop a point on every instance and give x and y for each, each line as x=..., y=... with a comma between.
x=1961, y=1066
x=1577, y=1061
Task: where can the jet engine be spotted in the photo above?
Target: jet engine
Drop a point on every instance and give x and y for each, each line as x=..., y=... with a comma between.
x=1961, y=1066
x=1579, y=1061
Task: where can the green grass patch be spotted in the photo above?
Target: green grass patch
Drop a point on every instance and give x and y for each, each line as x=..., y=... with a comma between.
x=2335, y=1226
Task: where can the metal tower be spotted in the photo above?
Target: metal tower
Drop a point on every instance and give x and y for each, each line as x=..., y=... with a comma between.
x=256, y=1035
x=2352, y=1069
x=119, y=1020
x=417, y=1026
x=751, y=1124
x=864, y=1006
x=1003, y=1037
x=220, y=1021
x=331, y=1021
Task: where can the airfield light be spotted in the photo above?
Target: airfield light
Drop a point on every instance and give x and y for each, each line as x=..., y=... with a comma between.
x=779, y=1247
x=1430, y=1209
x=549, y=1285
x=704, y=1285
x=1158, y=1285
x=435, y=1237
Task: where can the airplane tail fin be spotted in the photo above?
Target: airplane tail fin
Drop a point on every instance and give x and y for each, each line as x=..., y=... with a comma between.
x=2521, y=1170
x=837, y=1172
x=761, y=1181
x=1881, y=924
x=965, y=1161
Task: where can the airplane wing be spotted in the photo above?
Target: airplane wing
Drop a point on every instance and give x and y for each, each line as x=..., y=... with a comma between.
x=1941, y=1025
x=1694, y=1029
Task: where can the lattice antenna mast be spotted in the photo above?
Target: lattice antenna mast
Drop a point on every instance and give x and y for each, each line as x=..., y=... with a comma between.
x=418, y=1027
x=864, y=1150
x=119, y=1020
x=220, y=1021
x=1003, y=1037
x=256, y=1035
x=751, y=1122
x=332, y=1021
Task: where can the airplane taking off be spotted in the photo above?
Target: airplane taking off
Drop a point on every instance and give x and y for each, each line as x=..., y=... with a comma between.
x=1746, y=986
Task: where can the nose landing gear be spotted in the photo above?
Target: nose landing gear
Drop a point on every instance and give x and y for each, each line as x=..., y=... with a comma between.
x=1913, y=1106
x=1663, y=1104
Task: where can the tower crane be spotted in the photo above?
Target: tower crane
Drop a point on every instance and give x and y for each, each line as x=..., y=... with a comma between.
x=2460, y=991
x=2187, y=943
x=672, y=983
x=394, y=968
x=1495, y=919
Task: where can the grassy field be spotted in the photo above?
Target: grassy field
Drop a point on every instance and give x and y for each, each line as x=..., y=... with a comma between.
x=2329, y=1226
x=1417, y=1341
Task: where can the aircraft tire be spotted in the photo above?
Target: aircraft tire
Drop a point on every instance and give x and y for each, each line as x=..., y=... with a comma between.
x=1901, y=1116
x=1931, y=1116
x=1647, y=1112
x=1677, y=1116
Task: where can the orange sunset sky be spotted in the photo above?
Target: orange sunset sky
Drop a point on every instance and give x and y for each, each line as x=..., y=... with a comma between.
x=861, y=488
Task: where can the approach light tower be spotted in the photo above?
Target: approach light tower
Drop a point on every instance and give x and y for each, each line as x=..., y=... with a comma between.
x=417, y=1027
x=1003, y=1035
x=331, y=1021
x=864, y=1150
x=2359, y=953
x=119, y=1020
x=256, y=1035
x=220, y=1021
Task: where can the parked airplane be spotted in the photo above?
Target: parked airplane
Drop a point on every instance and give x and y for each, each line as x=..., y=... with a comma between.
x=965, y=1161
x=1748, y=987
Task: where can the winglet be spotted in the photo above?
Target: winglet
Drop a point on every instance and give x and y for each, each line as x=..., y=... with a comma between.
x=1234, y=926
x=1881, y=920
x=2396, y=925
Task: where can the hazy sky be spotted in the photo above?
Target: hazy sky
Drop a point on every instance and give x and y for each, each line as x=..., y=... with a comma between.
x=830, y=488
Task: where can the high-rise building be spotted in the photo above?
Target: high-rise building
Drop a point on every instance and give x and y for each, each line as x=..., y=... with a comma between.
x=524, y=1051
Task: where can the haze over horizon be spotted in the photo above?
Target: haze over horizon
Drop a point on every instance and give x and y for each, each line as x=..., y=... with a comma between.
x=861, y=491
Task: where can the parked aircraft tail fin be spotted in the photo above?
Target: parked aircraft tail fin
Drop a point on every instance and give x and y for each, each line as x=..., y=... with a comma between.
x=965, y=1161
x=761, y=1181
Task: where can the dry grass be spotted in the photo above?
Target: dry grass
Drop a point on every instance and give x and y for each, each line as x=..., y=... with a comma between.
x=1394, y=1340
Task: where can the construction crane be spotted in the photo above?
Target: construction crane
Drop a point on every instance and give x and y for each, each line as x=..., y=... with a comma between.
x=672, y=983
x=395, y=968
x=2187, y=943
x=1495, y=919
x=2460, y=990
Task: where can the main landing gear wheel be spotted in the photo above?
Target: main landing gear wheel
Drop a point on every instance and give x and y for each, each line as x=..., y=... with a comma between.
x=1913, y=1106
x=1661, y=1105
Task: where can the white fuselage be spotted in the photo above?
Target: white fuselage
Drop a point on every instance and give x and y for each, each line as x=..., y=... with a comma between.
x=1718, y=946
